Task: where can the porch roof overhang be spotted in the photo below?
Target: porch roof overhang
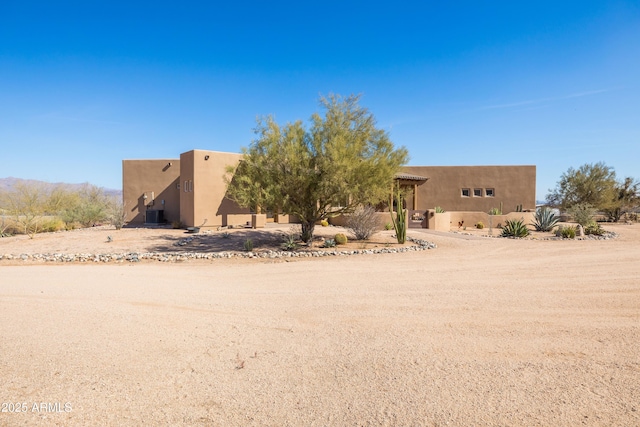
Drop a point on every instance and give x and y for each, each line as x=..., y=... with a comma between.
x=415, y=179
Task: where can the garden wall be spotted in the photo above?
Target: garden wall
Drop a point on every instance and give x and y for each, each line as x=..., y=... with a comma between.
x=470, y=219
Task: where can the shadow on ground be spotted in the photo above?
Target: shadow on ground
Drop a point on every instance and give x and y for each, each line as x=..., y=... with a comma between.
x=217, y=242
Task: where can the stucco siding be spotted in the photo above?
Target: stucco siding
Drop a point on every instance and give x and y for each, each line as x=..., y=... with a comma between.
x=156, y=179
x=511, y=185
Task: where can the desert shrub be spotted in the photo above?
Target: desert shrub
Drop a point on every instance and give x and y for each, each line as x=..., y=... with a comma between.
x=89, y=206
x=177, y=224
x=544, y=219
x=226, y=235
x=363, y=222
x=116, y=213
x=515, y=228
x=582, y=213
x=248, y=245
x=568, y=232
x=594, y=228
x=479, y=225
x=329, y=243
x=7, y=227
x=388, y=226
x=48, y=225
x=495, y=211
x=324, y=223
x=438, y=209
x=341, y=239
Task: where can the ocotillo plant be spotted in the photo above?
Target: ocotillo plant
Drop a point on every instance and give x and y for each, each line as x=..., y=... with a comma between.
x=400, y=221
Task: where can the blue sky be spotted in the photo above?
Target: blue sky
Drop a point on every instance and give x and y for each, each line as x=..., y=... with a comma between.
x=84, y=85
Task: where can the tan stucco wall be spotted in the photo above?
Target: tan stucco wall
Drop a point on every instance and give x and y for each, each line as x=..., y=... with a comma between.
x=186, y=191
x=437, y=221
x=470, y=219
x=159, y=176
x=204, y=203
x=513, y=186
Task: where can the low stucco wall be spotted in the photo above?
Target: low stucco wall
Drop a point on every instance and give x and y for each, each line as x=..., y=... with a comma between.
x=383, y=219
x=470, y=219
x=242, y=220
x=437, y=221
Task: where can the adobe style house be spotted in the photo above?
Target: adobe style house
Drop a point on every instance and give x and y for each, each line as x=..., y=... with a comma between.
x=192, y=190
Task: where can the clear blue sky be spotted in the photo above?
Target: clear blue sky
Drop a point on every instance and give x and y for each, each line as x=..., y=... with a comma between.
x=85, y=84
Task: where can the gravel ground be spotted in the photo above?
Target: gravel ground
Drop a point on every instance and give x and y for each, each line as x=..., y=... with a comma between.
x=476, y=332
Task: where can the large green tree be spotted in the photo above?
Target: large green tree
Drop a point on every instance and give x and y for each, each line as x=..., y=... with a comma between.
x=341, y=161
x=626, y=199
x=595, y=185
x=590, y=184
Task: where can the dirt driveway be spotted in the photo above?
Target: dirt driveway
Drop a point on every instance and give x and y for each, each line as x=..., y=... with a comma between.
x=477, y=332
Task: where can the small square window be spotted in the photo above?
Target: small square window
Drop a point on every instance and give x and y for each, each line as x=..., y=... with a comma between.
x=489, y=192
x=466, y=192
x=477, y=192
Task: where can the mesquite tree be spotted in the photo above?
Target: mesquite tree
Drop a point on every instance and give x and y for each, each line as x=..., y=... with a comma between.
x=340, y=162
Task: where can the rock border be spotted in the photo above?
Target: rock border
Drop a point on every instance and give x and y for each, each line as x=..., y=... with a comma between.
x=419, y=245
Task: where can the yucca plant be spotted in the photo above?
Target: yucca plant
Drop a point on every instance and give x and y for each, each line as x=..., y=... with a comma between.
x=515, y=228
x=545, y=219
x=438, y=209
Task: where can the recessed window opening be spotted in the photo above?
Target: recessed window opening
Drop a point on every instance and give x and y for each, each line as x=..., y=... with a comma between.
x=489, y=192
x=466, y=192
x=477, y=192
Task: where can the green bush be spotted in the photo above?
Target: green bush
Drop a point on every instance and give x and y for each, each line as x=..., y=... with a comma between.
x=582, y=213
x=438, y=209
x=248, y=245
x=388, y=226
x=479, y=225
x=48, y=225
x=324, y=223
x=495, y=211
x=594, y=228
x=568, y=232
x=340, y=239
x=515, y=228
x=544, y=219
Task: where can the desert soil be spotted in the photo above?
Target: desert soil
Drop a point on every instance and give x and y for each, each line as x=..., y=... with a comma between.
x=479, y=331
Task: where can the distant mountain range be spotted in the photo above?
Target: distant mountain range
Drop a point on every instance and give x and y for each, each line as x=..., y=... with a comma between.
x=8, y=184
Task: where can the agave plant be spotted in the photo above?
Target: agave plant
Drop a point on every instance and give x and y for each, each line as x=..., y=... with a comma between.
x=329, y=243
x=515, y=228
x=545, y=219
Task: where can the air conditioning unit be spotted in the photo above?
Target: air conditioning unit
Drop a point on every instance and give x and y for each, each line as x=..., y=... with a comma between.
x=155, y=217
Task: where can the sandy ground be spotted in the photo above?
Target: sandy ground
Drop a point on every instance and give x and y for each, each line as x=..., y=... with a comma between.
x=477, y=332
x=106, y=239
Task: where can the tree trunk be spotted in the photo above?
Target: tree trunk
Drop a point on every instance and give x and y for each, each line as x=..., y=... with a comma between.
x=307, y=231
